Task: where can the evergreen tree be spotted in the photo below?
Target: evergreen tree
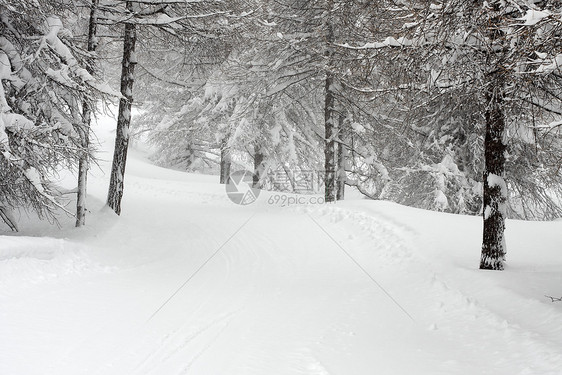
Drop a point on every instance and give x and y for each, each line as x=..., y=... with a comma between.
x=486, y=60
x=186, y=23
x=44, y=87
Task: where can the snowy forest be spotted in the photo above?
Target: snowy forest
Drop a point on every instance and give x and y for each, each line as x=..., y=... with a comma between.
x=448, y=106
x=428, y=132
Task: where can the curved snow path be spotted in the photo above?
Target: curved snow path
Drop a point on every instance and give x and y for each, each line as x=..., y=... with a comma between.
x=279, y=298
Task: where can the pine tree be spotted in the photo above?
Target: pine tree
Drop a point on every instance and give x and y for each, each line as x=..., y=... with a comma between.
x=478, y=59
x=184, y=23
x=44, y=86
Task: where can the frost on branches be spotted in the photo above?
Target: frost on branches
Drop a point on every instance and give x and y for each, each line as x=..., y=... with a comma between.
x=43, y=88
x=249, y=111
x=480, y=97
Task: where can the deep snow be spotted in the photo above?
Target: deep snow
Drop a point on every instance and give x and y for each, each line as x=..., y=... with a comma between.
x=185, y=282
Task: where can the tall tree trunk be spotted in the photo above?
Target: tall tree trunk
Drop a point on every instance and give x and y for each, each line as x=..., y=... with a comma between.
x=258, y=166
x=84, y=132
x=329, y=143
x=124, y=117
x=495, y=187
x=329, y=113
x=342, y=156
x=225, y=162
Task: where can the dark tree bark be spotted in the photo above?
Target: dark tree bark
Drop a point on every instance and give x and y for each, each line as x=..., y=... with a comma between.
x=329, y=115
x=342, y=155
x=495, y=188
x=329, y=143
x=225, y=162
x=84, y=132
x=124, y=118
x=259, y=158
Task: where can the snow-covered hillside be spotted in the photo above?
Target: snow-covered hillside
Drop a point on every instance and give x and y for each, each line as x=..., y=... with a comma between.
x=186, y=282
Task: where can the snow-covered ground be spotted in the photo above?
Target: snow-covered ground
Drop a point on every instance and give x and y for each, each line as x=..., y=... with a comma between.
x=185, y=282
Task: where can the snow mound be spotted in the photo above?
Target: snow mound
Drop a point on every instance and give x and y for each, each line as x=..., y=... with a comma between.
x=27, y=261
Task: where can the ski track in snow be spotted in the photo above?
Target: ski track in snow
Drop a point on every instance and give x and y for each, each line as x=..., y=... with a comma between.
x=280, y=297
x=535, y=341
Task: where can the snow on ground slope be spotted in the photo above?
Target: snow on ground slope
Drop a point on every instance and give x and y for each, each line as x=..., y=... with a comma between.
x=185, y=282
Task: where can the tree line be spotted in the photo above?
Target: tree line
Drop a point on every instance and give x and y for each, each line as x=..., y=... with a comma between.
x=444, y=105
